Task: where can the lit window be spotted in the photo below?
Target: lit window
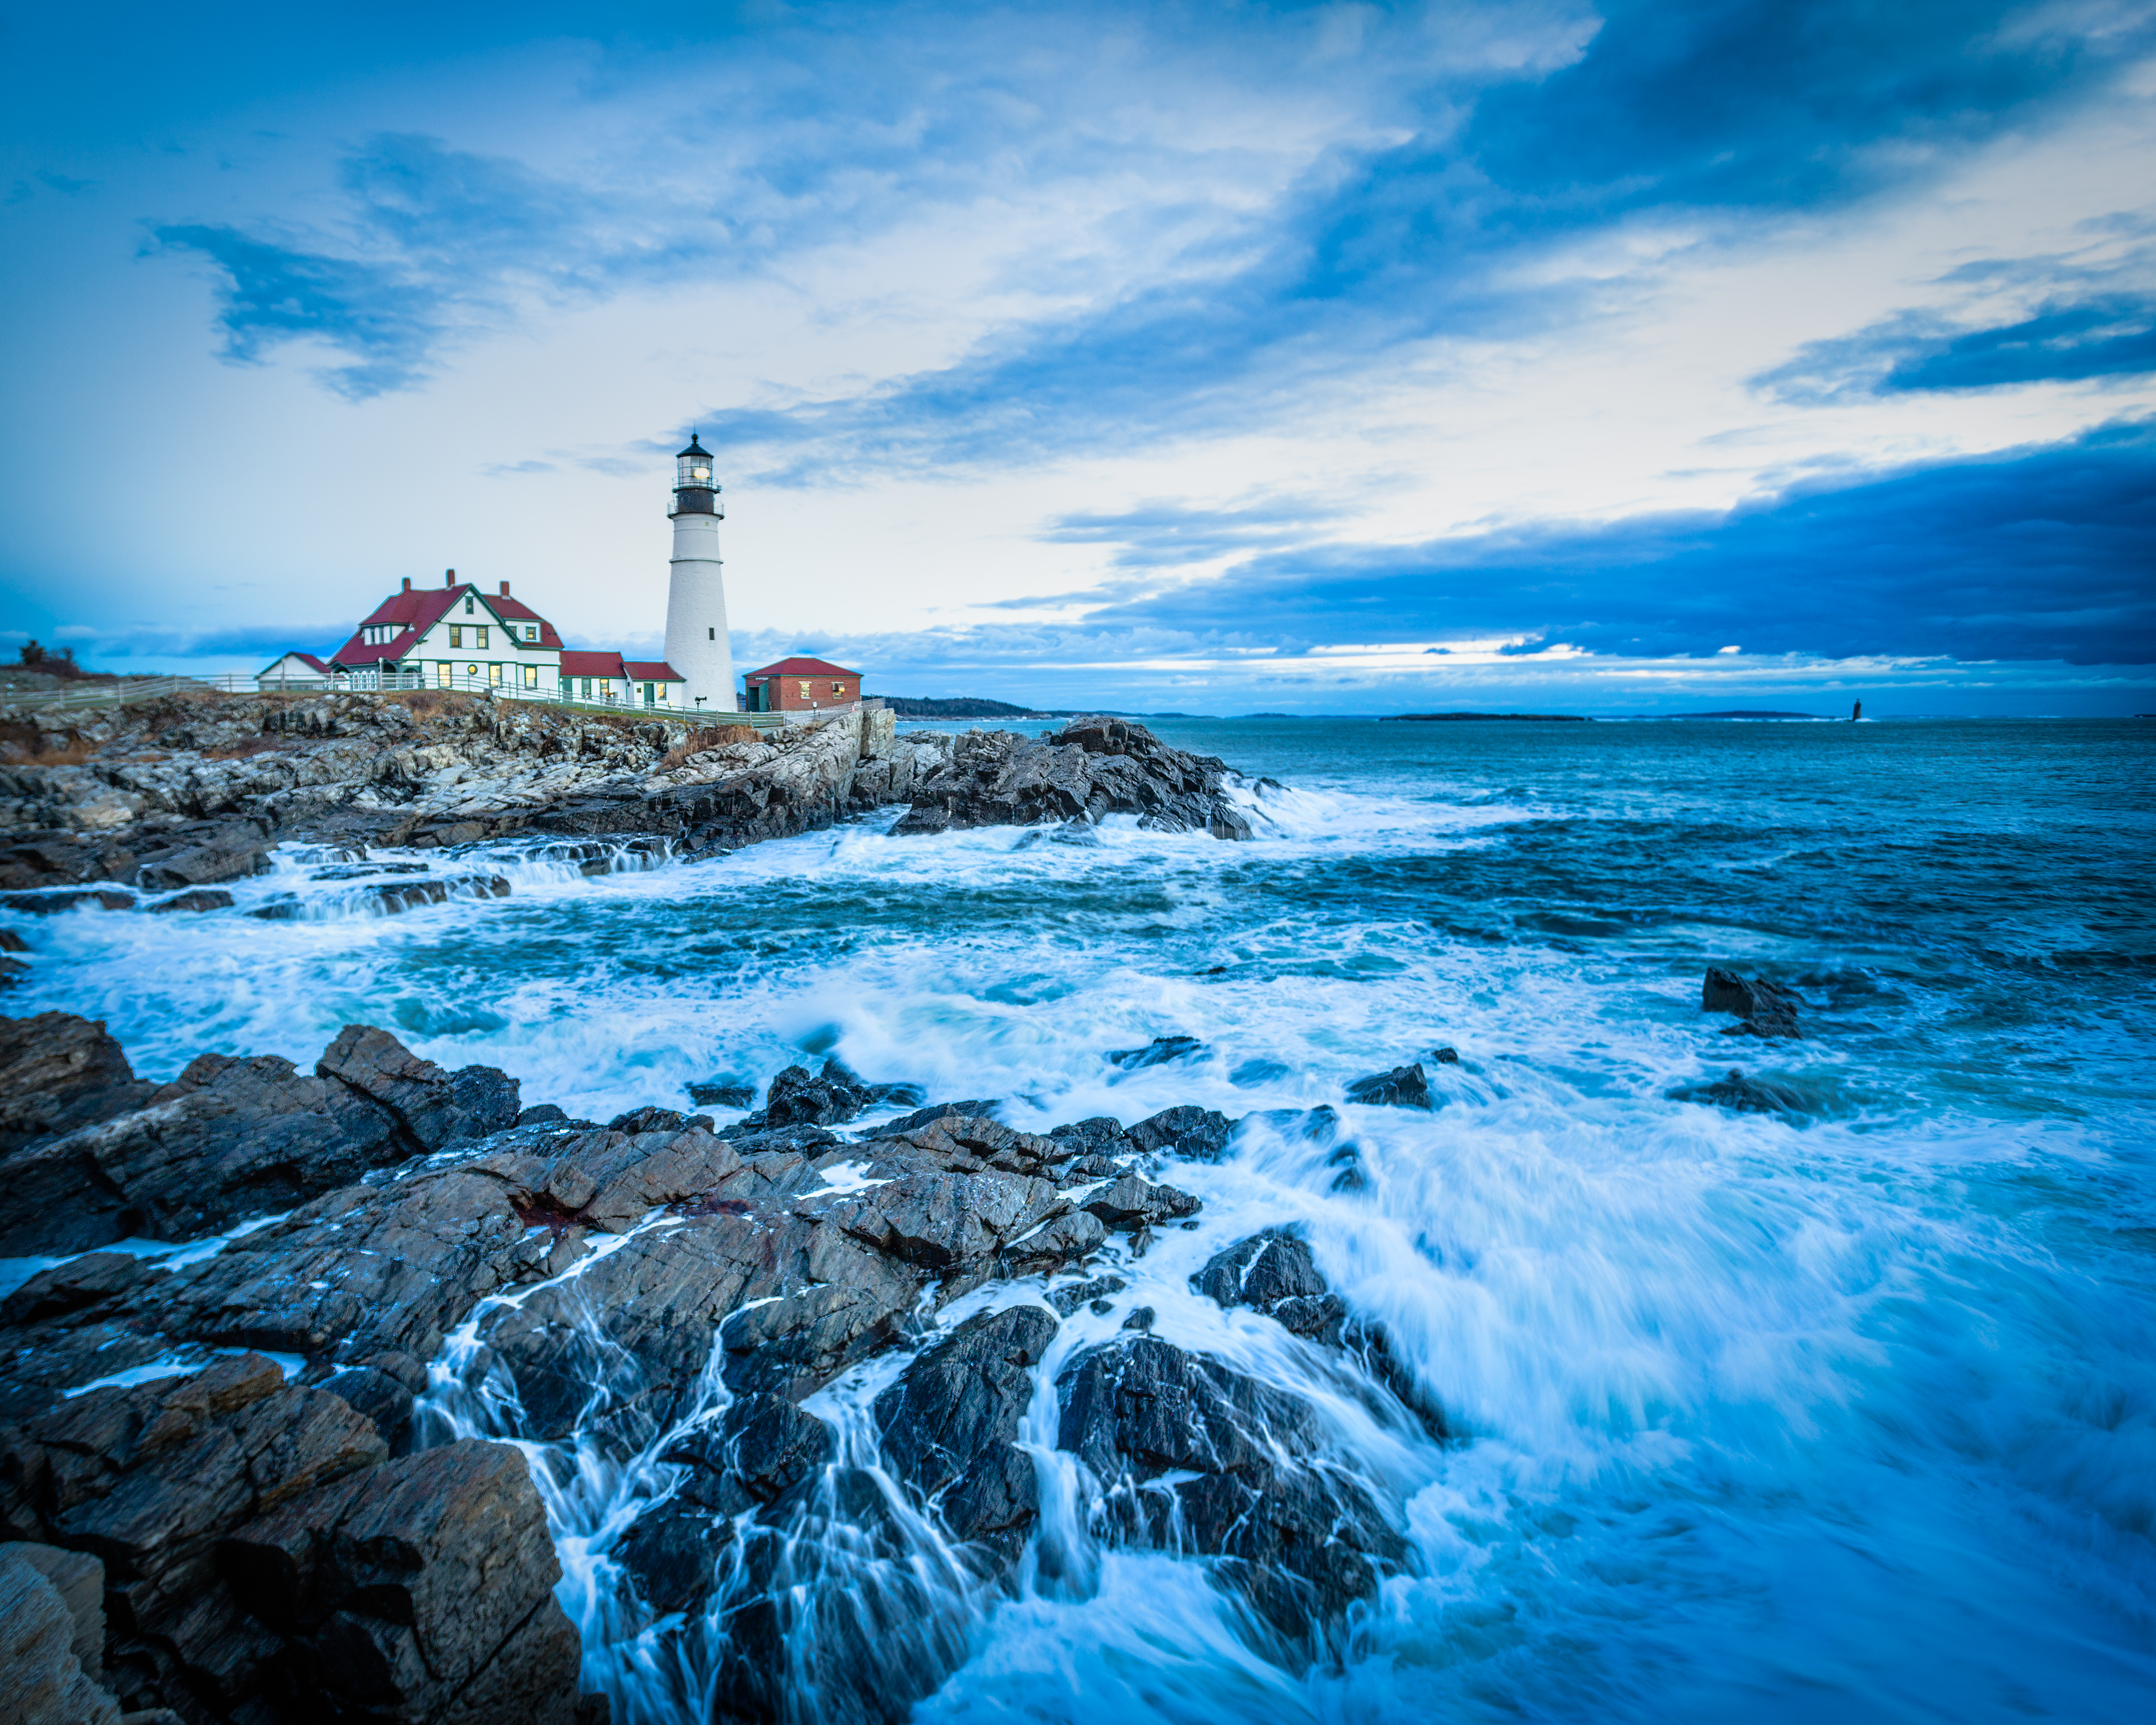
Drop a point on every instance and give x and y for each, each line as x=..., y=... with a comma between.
x=468, y=608
x=493, y=673
x=531, y=632
x=838, y=688
x=456, y=636
x=532, y=676
x=471, y=670
x=441, y=673
x=481, y=633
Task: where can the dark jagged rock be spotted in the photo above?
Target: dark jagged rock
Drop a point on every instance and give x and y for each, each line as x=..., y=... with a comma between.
x=1747, y=1095
x=1131, y=1204
x=828, y=1098
x=1067, y=1300
x=1303, y=1538
x=51, y=904
x=59, y=1072
x=543, y=1114
x=422, y=1588
x=47, y=1668
x=199, y=898
x=1402, y=1087
x=1196, y=1134
x=1158, y=1052
x=950, y=1423
x=1100, y=1139
x=656, y=1120
x=973, y=1110
x=1141, y=1319
x=1274, y=1273
x=1093, y=767
x=1766, y=1010
x=722, y=1093
x=1445, y=1056
x=232, y=1137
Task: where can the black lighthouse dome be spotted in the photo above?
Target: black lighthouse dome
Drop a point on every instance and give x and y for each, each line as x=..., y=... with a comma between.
x=694, y=491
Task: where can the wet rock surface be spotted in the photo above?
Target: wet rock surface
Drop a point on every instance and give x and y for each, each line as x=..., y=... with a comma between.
x=1191, y=1454
x=1091, y=768
x=301, y=1537
x=1402, y=1087
x=1764, y=1009
x=186, y=794
x=228, y=1138
x=262, y=1558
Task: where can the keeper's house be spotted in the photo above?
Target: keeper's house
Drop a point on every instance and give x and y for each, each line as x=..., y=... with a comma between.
x=800, y=685
x=456, y=637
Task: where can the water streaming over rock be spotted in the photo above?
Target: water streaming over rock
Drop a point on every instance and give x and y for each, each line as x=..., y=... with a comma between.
x=1680, y=1412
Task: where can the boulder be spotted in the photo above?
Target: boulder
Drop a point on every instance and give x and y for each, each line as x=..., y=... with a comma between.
x=43, y=1680
x=1132, y=1204
x=1274, y=1273
x=949, y=1426
x=57, y=1072
x=1193, y=1133
x=199, y=898
x=1158, y=1052
x=230, y=1139
x=1402, y=1087
x=1741, y=1095
x=1093, y=767
x=1186, y=1453
x=1766, y=1009
x=422, y=1589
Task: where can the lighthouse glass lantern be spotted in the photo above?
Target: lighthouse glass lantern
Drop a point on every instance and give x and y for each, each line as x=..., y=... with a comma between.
x=694, y=492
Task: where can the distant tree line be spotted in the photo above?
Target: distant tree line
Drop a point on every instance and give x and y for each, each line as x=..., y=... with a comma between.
x=960, y=706
x=61, y=664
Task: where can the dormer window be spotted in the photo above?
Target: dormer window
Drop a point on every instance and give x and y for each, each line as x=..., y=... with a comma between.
x=468, y=607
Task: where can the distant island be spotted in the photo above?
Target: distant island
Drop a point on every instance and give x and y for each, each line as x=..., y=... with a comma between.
x=1509, y=718
x=979, y=706
x=960, y=706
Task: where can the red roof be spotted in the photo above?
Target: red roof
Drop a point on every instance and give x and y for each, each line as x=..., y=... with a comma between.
x=419, y=609
x=305, y=658
x=801, y=668
x=653, y=671
x=593, y=665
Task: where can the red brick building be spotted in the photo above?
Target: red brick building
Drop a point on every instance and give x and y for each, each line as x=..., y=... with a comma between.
x=801, y=686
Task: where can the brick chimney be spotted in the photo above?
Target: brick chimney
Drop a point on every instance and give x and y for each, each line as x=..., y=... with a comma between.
x=505, y=590
x=449, y=577
x=408, y=583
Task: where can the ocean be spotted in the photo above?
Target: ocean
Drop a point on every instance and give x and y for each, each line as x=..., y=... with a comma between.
x=1845, y=1414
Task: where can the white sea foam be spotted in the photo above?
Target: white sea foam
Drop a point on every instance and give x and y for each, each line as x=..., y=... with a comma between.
x=1862, y=1400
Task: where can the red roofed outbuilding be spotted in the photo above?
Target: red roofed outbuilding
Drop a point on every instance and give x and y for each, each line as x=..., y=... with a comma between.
x=801, y=686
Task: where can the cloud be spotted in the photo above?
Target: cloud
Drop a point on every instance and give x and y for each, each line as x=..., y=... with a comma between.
x=2104, y=336
x=1721, y=112
x=2038, y=554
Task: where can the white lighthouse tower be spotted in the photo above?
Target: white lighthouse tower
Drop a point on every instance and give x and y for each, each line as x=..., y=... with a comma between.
x=697, y=644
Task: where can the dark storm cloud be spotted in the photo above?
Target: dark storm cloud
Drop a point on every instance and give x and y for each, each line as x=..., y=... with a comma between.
x=2043, y=554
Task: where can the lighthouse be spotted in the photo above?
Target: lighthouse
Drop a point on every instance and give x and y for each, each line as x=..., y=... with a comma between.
x=697, y=644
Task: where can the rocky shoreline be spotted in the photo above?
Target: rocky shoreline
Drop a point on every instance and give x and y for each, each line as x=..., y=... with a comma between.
x=279, y=1445
x=187, y=793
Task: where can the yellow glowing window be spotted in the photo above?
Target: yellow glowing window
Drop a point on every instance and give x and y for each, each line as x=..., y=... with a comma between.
x=532, y=676
x=481, y=641
x=441, y=673
x=494, y=674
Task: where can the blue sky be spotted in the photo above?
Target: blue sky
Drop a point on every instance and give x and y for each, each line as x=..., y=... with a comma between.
x=1218, y=357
